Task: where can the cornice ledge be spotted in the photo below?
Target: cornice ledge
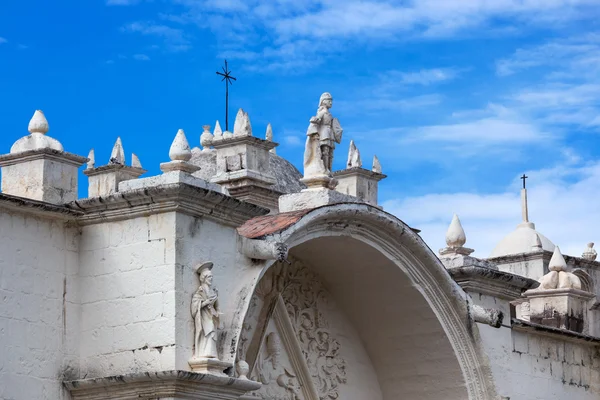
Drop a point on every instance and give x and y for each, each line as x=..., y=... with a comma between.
x=162, y=384
x=35, y=207
x=530, y=327
x=180, y=197
x=492, y=282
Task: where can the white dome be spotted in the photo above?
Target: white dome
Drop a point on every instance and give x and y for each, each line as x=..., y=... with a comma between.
x=520, y=241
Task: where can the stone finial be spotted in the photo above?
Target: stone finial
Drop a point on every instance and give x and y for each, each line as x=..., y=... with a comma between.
x=38, y=123
x=206, y=138
x=455, y=236
x=135, y=161
x=455, y=240
x=536, y=244
x=269, y=137
x=376, y=165
x=557, y=262
x=180, y=148
x=217, y=133
x=117, y=156
x=91, y=160
x=590, y=253
x=227, y=135
x=243, y=369
x=242, y=126
x=269, y=133
x=559, y=277
x=354, y=160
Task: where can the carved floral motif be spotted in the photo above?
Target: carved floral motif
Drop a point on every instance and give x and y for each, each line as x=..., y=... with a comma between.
x=305, y=300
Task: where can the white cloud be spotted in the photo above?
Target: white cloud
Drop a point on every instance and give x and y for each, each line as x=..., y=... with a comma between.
x=294, y=141
x=2, y=40
x=559, y=204
x=424, y=77
x=174, y=39
x=141, y=57
x=121, y=2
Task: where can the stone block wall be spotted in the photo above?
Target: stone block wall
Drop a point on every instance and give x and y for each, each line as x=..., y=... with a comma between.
x=531, y=366
x=39, y=312
x=127, y=277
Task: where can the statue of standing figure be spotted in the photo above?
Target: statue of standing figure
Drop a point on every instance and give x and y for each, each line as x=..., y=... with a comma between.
x=323, y=133
x=205, y=310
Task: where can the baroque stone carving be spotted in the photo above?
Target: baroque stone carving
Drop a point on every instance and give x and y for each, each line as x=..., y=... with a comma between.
x=324, y=131
x=302, y=299
x=205, y=311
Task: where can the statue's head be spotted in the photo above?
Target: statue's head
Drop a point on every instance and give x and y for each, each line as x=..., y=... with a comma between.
x=326, y=100
x=204, y=271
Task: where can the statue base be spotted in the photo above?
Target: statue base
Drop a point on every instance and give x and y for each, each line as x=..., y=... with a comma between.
x=320, y=182
x=211, y=366
x=313, y=198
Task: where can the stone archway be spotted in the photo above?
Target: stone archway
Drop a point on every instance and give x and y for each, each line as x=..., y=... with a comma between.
x=410, y=319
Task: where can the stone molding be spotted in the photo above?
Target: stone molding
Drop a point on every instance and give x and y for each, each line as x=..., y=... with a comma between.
x=502, y=285
x=360, y=171
x=42, y=154
x=538, y=329
x=133, y=171
x=177, y=197
x=406, y=249
x=158, y=385
x=252, y=140
x=38, y=208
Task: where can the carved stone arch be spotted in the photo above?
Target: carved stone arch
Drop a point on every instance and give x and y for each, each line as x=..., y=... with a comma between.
x=587, y=284
x=395, y=241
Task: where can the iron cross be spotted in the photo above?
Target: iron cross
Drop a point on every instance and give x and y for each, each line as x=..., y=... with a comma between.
x=226, y=74
x=523, y=178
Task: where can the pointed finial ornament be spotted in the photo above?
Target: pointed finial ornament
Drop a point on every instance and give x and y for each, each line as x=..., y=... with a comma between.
x=269, y=133
x=537, y=243
x=376, y=165
x=557, y=262
x=206, y=138
x=455, y=236
x=217, y=133
x=269, y=137
x=91, y=160
x=590, y=253
x=354, y=160
x=242, y=126
x=135, y=161
x=38, y=123
x=117, y=156
x=180, y=148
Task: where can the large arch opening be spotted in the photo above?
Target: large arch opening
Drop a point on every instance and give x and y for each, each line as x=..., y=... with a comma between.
x=408, y=325
x=407, y=346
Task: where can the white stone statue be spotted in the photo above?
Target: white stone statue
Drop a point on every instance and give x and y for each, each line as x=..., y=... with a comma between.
x=205, y=310
x=323, y=133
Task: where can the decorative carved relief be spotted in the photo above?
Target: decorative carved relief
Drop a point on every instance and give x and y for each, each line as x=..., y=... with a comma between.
x=293, y=297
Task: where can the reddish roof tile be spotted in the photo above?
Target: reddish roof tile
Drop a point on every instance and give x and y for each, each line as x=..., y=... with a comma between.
x=268, y=224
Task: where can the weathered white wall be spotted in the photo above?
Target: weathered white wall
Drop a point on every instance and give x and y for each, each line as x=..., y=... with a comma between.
x=200, y=240
x=127, y=283
x=529, y=366
x=39, y=315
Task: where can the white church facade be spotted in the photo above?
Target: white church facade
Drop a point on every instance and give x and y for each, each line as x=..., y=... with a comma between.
x=232, y=275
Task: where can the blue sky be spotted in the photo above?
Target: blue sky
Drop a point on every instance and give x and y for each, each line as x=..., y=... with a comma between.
x=456, y=97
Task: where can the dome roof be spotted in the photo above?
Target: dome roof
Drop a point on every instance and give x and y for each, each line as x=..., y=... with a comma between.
x=521, y=240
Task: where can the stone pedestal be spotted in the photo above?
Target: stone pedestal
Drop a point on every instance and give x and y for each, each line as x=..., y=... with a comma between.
x=104, y=180
x=558, y=308
x=313, y=198
x=359, y=182
x=211, y=366
x=242, y=162
x=42, y=174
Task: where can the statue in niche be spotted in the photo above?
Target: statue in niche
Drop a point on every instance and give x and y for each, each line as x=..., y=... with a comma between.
x=324, y=131
x=205, y=311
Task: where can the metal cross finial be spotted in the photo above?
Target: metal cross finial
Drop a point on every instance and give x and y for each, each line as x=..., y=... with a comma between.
x=523, y=178
x=226, y=74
